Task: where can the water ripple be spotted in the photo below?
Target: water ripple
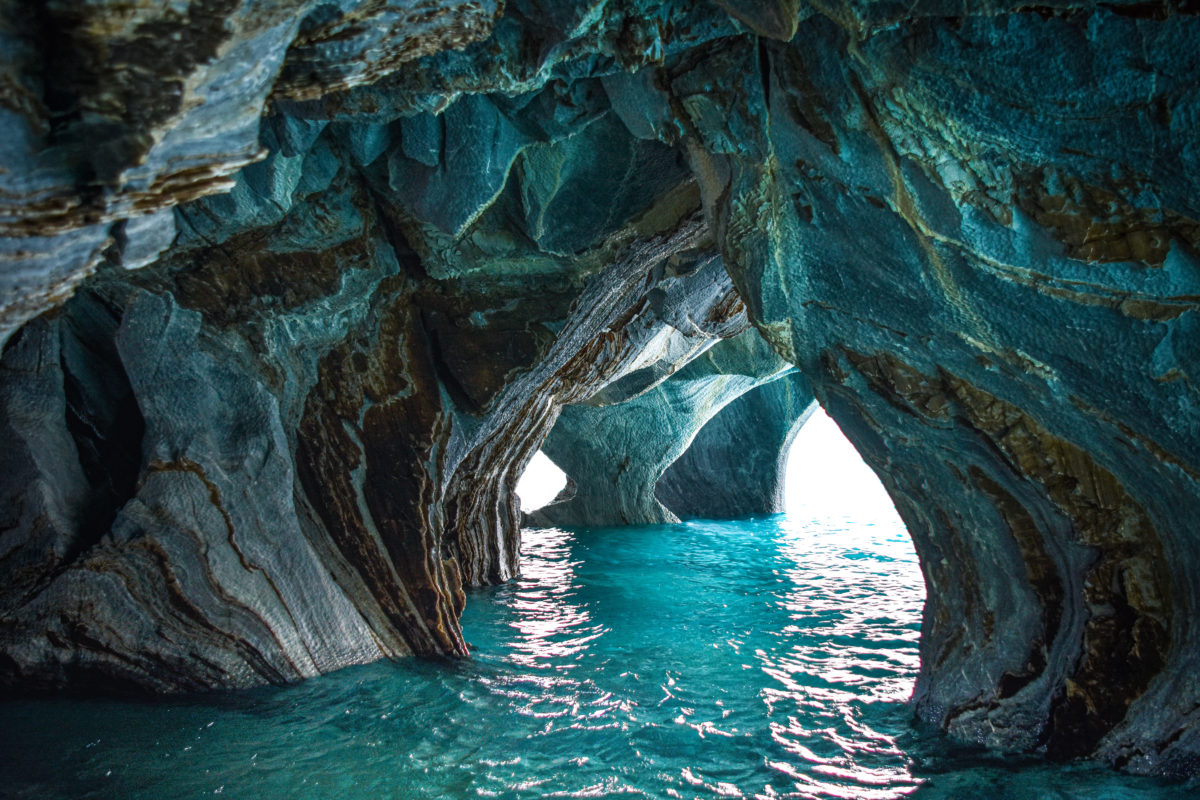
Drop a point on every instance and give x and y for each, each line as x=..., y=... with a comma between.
x=762, y=659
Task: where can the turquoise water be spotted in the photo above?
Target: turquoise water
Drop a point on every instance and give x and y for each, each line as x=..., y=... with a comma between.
x=764, y=658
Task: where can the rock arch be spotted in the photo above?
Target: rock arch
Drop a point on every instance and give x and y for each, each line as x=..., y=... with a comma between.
x=736, y=465
x=326, y=303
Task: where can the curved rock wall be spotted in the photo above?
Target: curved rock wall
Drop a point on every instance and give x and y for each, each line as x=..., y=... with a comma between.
x=737, y=464
x=288, y=438
x=288, y=444
x=981, y=250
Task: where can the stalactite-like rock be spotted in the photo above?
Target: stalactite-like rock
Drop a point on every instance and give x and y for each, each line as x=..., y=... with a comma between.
x=336, y=268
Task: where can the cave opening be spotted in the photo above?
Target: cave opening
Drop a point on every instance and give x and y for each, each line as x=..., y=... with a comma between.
x=867, y=582
x=826, y=478
x=714, y=641
x=540, y=483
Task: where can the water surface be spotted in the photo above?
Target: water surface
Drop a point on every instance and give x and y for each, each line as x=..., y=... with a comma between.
x=763, y=658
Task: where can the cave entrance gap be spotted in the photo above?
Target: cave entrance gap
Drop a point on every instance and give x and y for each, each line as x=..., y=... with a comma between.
x=540, y=483
x=836, y=509
x=826, y=479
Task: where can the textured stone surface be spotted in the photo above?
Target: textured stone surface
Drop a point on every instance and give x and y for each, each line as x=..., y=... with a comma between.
x=736, y=465
x=115, y=110
x=348, y=464
x=979, y=251
x=337, y=267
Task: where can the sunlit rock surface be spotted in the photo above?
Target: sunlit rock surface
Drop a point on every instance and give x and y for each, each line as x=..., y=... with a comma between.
x=304, y=286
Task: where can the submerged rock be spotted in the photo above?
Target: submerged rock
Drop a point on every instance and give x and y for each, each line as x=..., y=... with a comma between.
x=295, y=292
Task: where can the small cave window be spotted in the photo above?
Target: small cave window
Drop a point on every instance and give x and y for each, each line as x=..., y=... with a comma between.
x=540, y=483
x=826, y=478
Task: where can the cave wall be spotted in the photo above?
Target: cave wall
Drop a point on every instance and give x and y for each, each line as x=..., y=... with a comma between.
x=981, y=251
x=290, y=441
x=615, y=447
x=290, y=302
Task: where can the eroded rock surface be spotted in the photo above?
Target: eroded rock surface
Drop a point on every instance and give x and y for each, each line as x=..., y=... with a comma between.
x=301, y=288
x=980, y=252
x=736, y=465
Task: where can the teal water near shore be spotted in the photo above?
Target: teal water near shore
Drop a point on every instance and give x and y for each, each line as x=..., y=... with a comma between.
x=761, y=658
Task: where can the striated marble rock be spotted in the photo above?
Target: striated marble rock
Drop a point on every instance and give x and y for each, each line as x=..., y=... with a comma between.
x=293, y=291
x=114, y=111
x=736, y=465
x=614, y=449
x=975, y=237
x=299, y=431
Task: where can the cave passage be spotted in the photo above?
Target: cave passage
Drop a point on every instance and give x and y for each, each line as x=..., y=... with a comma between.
x=287, y=307
x=769, y=656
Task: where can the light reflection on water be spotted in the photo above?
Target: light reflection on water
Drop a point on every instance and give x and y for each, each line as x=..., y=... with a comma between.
x=550, y=629
x=762, y=658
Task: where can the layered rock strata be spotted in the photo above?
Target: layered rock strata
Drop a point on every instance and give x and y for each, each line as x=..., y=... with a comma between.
x=336, y=267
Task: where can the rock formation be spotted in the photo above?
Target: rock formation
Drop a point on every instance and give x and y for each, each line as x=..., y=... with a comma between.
x=292, y=292
x=735, y=467
x=1011, y=194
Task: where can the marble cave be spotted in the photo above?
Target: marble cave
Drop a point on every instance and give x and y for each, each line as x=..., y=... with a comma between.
x=291, y=293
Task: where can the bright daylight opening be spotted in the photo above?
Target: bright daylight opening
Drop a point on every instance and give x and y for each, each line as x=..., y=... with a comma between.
x=540, y=483
x=826, y=478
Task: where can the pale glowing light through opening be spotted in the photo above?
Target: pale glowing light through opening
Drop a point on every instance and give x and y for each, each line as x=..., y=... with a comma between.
x=826, y=477
x=540, y=483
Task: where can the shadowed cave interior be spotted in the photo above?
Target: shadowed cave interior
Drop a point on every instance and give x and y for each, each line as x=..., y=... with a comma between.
x=289, y=305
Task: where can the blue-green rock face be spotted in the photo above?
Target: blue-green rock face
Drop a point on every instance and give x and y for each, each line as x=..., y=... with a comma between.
x=964, y=258
x=293, y=292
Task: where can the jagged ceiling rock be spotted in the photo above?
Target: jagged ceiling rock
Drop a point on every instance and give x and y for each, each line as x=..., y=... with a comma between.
x=288, y=438
x=116, y=111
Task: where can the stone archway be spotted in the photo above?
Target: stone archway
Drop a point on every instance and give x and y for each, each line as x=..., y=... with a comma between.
x=369, y=272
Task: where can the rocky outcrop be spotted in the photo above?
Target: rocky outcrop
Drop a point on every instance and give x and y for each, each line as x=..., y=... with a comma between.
x=301, y=288
x=287, y=445
x=279, y=481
